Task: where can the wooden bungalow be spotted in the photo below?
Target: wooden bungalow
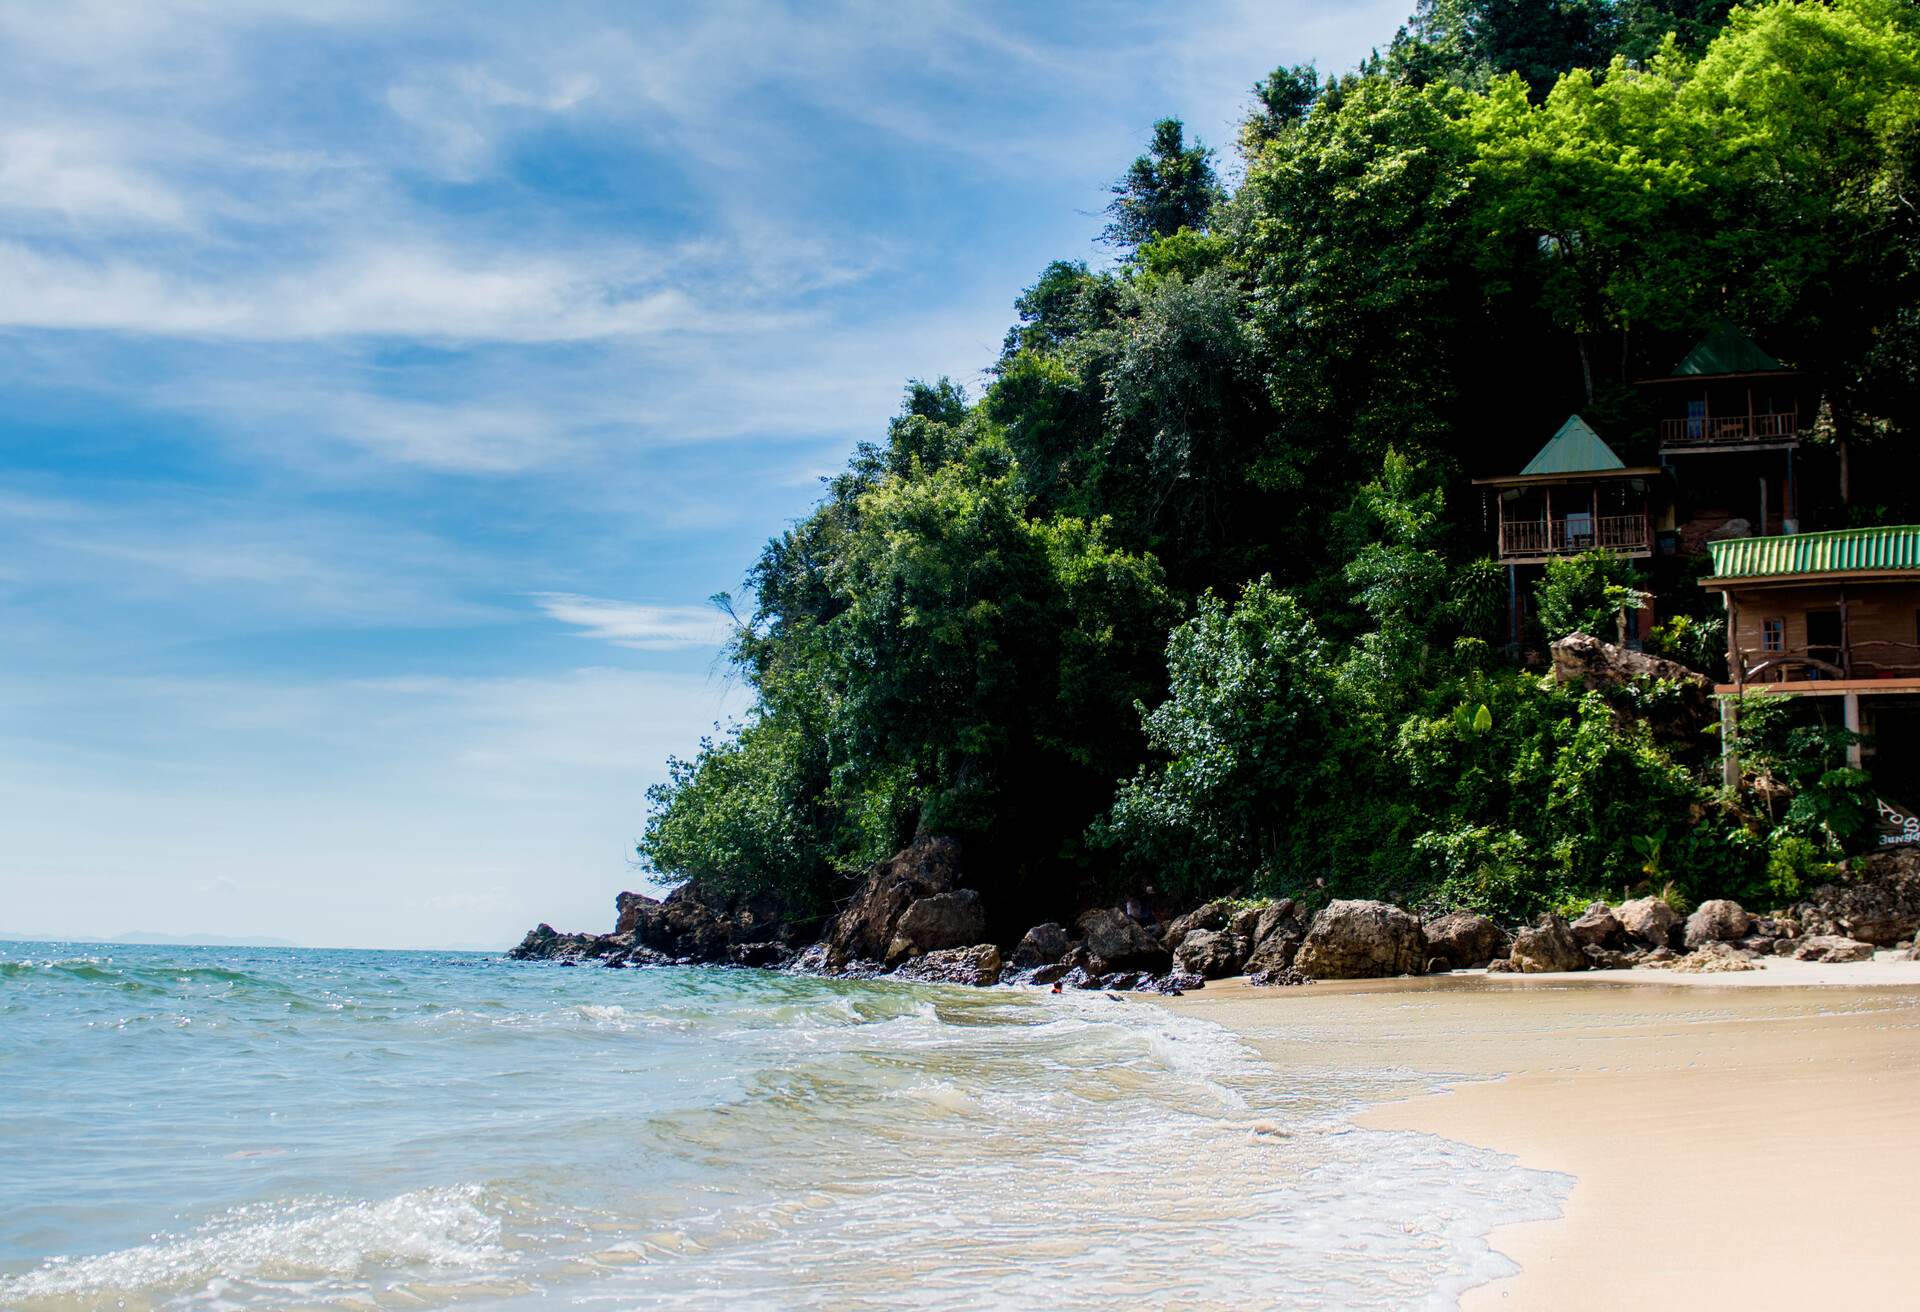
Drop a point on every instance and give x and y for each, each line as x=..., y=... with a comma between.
x=1729, y=418
x=1575, y=495
x=1831, y=616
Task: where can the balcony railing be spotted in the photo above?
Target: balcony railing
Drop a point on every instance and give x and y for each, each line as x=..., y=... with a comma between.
x=1541, y=537
x=1872, y=658
x=1708, y=429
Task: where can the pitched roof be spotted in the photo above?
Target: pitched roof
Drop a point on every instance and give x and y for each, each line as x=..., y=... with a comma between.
x=1726, y=350
x=1892, y=548
x=1575, y=449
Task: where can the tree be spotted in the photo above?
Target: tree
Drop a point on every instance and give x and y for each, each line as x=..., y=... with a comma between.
x=1170, y=187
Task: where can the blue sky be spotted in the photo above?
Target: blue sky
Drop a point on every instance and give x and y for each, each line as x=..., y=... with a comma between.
x=387, y=387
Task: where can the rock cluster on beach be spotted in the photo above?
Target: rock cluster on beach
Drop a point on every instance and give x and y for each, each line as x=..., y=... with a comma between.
x=914, y=917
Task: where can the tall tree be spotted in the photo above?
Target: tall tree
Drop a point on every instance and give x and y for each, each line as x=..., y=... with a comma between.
x=1171, y=187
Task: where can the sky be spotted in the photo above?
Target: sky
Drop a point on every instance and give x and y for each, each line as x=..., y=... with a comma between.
x=384, y=390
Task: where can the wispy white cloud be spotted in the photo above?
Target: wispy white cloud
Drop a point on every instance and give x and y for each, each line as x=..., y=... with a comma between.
x=635, y=624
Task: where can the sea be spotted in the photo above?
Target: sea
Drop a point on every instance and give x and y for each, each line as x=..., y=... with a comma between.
x=245, y=1128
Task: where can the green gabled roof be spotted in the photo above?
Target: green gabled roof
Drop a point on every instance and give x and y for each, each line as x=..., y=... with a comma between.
x=1726, y=350
x=1575, y=449
x=1895, y=547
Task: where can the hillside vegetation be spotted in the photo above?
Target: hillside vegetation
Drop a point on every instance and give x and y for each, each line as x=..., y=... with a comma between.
x=1194, y=598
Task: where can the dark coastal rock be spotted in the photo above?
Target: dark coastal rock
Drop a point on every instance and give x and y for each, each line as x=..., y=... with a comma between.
x=1463, y=939
x=1588, y=662
x=1214, y=915
x=545, y=943
x=1502, y=966
x=978, y=965
x=1659, y=956
x=1042, y=944
x=1548, y=946
x=1172, y=984
x=865, y=929
x=1598, y=927
x=945, y=920
x=1257, y=923
x=1210, y=954
x=1115, y=941
x=1262, y=979
x=1362, y=940
x=1832, y=948
x=698, y=924
x=1599, y=958
x=769, y=956
x=1716, y=921
x=1647, y=920
x=1277, y=950
x=1047, y=974
x=1878, y=902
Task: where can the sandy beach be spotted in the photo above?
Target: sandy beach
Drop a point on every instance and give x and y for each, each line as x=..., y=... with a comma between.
x=1739, y=1138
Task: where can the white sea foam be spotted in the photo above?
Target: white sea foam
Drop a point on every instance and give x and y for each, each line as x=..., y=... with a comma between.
x=442, y=1229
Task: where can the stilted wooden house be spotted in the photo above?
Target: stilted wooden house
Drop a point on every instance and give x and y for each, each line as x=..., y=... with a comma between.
x=1834, y=617
x=1575, y=495
x=1729, y=419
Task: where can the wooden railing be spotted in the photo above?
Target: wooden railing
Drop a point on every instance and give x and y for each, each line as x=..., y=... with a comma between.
x=1729, y=428
x=1873, y=658
x=1541, y=537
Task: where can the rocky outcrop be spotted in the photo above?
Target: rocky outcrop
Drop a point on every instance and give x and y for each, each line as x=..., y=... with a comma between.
x=1210, y=954
x=1362, y=940
x=978, y=965
x=1214, y=915
x=1710, y=957
x=1647, y=920
x=1262, y=979
x=1548, y=946
x=1460, y=940
x=545, y=943
x=1600, y=666
x=1041, y=945
x=1115, y=941
x=1878, y=903
x=1599, y=958
x=930, y=924
x=1598, y=927
x=1716, y=921
x=1832, y=948
x=865, y=928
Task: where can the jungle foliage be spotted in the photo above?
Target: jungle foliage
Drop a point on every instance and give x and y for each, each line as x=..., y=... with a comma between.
x=1194, y=597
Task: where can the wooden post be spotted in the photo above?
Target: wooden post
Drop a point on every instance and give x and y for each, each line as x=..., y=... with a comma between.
x=1753, y=429
x=1729, y=759
x=1850, y=710
x=1846, y=639
x=1549, y=544
x=1763, y=505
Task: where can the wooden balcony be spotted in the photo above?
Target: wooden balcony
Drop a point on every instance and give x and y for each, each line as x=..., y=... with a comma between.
x=1720, y=430
x=1870, y=659
x=1537, y=538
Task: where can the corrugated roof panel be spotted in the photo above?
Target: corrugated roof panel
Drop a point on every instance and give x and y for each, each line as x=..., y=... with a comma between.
x=1575, y=449
x=1894, y=547
x=1726, y=350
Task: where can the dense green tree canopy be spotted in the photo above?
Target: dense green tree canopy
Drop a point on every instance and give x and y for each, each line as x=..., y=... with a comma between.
x=1194, y=598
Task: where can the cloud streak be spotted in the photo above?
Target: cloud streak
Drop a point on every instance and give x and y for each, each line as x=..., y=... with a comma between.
x=635, y=625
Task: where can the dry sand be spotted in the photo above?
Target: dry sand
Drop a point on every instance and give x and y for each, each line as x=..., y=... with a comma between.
x=1748, y=1139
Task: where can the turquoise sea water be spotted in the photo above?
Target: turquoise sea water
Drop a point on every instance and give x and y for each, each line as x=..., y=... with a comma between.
x=262, y=1128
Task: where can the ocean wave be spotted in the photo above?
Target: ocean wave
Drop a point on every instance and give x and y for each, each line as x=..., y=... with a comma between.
x=447, y=1229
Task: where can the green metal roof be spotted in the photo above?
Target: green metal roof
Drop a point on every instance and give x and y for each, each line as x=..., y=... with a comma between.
x=1726, y=350
x=1575, y=449
x=1818, y=553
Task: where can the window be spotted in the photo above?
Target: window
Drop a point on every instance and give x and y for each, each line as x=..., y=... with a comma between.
x=1773, y=635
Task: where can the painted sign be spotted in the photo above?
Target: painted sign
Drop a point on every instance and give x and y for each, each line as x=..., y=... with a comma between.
x=1897, y=826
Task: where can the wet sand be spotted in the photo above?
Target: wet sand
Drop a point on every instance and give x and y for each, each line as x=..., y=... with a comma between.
x=1749, y=1138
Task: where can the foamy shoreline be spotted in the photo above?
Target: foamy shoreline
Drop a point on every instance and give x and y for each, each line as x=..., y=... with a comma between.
x=1740, y=1137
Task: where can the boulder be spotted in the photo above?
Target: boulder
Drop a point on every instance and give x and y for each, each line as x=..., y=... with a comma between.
x=1463, y=939
x=1878, y=903
x=1210, y=954
x=1548, y=946
x=765, y=955
x=1171, y=985
x=814, y=960
x=1115, y=941
x=1042, y=944
x=978, y=965
x=1584, y=660
x=1502, y=966
x=865, y=927
x=1256, y=924
x=1717, y=921
x=1214, y=915
x=1832, y=948
x=1262, y=979
x=545, y=943
x=700, y=925
x=1647, y=920
x=946, y=920
x=1598, y=927
x=1276, y=951
x=1599, y=958
x=1362, y=940
x=1713, y=956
